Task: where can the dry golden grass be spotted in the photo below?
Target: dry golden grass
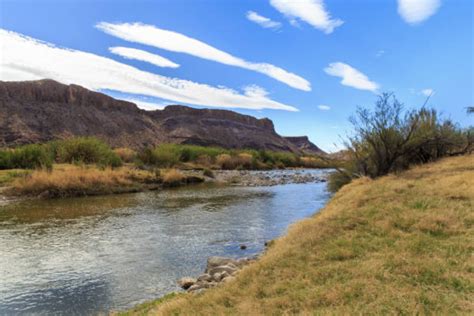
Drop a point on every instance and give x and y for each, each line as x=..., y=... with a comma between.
x=173, y=177
x=401, y=244
x=70, y=180
x=245, y=160
x=225, y=161
x=126, y=154
x=241, y=160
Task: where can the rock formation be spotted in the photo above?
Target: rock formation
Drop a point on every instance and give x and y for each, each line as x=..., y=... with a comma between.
x=304, y=144
x=44, y=110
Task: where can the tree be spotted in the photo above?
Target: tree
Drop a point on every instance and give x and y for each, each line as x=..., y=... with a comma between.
x=388, y=139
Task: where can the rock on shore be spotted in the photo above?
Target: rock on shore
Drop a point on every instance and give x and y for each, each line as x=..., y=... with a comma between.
x=218, y=269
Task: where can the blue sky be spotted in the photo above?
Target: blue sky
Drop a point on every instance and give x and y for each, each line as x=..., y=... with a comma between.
x=304, y=64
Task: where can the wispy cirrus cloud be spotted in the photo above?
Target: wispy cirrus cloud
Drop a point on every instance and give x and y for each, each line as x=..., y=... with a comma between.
x=351, y=77
x=379, y=53
x=416, y=11
x=177, y=42
x=138, y=54
x=427, y=92
x=324, y=107
x=25, y=58
x=262, y=21
x=312, y=12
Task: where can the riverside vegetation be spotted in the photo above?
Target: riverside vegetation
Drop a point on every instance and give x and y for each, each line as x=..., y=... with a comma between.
x=88, y=166
x=388, y=139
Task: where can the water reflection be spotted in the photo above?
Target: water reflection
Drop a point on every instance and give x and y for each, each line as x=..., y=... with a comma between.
x=61, y=210
x=96, y=254
x=76, y=296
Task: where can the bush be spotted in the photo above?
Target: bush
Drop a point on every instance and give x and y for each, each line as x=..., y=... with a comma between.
x=387, y=139
x=126, y=154
x=145, y=157
x=26, y=157
x=111, y=159
x=165, y=156
x=87, y=150
x=337, y=180
x=169, y=155
x=225, y=161
x=6, y=159
x=245, y=161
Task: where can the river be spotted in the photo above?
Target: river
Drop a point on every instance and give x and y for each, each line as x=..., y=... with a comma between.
x=97, y=254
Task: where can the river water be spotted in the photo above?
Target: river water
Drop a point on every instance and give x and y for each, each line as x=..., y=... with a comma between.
x=93, y=255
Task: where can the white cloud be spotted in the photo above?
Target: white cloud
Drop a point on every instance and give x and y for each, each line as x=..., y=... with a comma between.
x=324, y=107
x=262, y=21
x=138, y=54
x=380, y=53
x=416, y=11
x=176, y=42
x=148, y=106
x=312, y=12
x=255, y=91
x=427, y=92
x=351, y=77
x=25, y=58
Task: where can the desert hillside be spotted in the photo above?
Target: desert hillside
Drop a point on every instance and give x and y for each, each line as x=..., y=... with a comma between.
x=44, y=110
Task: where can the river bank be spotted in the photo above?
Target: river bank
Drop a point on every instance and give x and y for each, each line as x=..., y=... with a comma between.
x=379, y=246
x=65, y=180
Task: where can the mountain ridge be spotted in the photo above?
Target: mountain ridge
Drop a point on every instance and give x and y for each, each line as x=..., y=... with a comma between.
x=44, y=110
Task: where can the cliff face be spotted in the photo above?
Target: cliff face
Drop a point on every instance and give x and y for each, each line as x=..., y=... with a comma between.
x=304, y=144
x=39, y=111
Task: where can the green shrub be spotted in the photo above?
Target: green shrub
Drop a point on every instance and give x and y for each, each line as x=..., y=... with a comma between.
x=389, y=139
x=337, y=180
x=169, y=155
x=165, y=155
x=145, y=157
x=110, y=159
x=26, y=157
x=6, y=159
x=87, y=150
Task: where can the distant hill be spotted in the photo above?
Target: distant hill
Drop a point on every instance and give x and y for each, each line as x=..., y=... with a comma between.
x=304, y=144
x=44, y=110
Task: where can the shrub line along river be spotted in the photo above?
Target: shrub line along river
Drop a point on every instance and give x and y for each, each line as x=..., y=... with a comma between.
x=97, y=254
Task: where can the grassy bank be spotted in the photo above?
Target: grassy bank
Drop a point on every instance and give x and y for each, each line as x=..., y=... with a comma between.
x=88, y=166
x=66, y=180
x=400, y=244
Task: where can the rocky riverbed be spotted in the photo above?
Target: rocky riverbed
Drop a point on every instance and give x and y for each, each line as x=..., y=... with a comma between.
x=268, y=177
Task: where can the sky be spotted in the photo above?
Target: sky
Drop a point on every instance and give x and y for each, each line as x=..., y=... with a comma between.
x=305, y=64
